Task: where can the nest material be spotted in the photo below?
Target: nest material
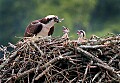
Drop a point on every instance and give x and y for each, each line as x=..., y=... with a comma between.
x=50, y=60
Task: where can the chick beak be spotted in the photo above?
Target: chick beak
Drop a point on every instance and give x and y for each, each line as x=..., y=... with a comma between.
x=78, y=32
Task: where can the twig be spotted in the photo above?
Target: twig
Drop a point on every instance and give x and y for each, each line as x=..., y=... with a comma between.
x=85, y=74
x=96, y=76
x=8, y=80
x=28, y=78
x=87, y=54
x=100, y=62
x=109, y=69
x=60, y=72
x=96, y=59
x=101, y=78
x=111, y=60
x=19, y=75
x=56, y=59
x=34, y=78
x=71, y=81
x=10, y=58
x=37, y=48
x=42, y=67
x=118, y=72
x=106, y=67
x=12, y=45
x=58, y=42
x=1, y=49
x=41, y=74
x=92, y=47
x=110, y=38
x=38, y=59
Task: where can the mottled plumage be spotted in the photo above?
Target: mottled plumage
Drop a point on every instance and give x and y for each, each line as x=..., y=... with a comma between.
x=42, y=27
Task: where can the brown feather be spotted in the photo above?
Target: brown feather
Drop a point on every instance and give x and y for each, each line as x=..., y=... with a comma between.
x=35, y=27
x=51, y=31
x=32, y=29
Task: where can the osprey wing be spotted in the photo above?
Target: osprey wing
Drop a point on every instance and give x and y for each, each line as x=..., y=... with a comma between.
x=33, y=28
x=51, y=31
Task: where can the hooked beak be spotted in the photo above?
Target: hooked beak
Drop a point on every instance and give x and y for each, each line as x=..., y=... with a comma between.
x=58, y=20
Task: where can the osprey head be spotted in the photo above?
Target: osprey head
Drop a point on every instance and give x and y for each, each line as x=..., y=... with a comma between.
x=53, y=18
x=81, y=33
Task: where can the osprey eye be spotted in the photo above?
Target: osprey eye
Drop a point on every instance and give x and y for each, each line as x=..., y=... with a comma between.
x=50, y=18
x=56, y=19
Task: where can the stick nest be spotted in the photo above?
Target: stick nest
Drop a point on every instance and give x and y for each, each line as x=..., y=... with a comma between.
x=56, y=59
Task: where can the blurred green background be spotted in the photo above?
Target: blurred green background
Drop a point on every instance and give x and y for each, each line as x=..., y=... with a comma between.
x=94, y=16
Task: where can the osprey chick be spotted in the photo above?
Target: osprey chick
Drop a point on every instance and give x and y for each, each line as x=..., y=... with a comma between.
x=42, y=27
x=66, y=32
x=81, y=36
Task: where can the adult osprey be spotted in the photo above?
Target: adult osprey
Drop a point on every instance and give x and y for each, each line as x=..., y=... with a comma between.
x=42, y=27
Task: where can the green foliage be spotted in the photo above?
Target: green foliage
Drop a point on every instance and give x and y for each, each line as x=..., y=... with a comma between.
x=13, y=15
x=93, y=16
x=105, y=15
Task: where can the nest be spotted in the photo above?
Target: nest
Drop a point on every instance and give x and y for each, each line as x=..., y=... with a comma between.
x=52, y=60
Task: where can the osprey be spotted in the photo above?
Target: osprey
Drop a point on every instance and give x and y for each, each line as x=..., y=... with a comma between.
x=65, y=35
x=81, y=34
x=81, y=37
x=66, y=32
x=42, y=27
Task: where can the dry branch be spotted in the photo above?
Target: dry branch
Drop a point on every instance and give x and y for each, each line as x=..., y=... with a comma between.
x=48, y=60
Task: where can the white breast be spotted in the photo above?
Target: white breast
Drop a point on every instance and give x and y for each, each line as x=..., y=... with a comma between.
x=43, y=32
x=45, y=29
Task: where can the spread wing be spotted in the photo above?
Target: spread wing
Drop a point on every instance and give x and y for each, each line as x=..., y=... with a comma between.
x=33, y=28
